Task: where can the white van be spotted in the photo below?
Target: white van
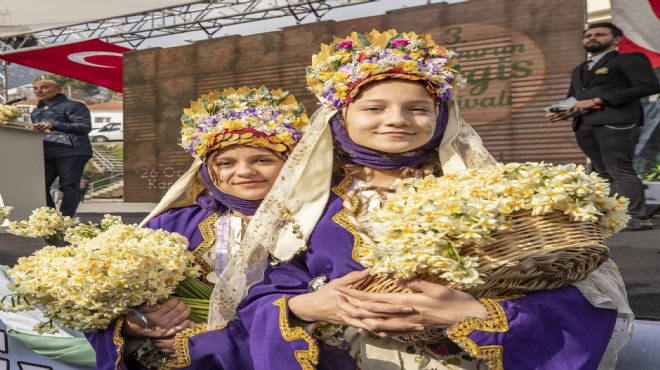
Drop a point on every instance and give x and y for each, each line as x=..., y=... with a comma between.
x=113, y=131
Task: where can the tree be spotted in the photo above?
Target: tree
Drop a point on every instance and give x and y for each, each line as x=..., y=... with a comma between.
x=74, y=84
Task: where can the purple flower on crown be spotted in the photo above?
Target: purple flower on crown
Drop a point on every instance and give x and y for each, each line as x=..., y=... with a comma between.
x=349, y=69
x=447, y=95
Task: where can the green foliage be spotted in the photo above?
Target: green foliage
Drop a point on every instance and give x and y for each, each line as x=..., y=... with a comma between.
x=653, y=174
x=66, y=82
x=117, y=150
x=363, y=40
x=91, y=173
x=115, y=96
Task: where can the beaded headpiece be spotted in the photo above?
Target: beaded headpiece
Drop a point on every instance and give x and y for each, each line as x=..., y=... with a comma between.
x=338, y=71
x=258, y=117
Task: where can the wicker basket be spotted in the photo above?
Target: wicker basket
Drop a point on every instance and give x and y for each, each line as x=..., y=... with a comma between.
x=544, y=252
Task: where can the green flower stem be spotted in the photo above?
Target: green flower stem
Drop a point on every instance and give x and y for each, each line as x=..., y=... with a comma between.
x=197, y=318
x=196, y=295
x=193, y=288
x=182, y=291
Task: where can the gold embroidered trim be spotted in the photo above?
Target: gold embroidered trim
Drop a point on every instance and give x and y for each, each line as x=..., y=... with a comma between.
x=181, y=347
x=496, y=323
x=342, y=188
x=341, y=218
x=207, y=229
x=118, y=341
x=306, y=359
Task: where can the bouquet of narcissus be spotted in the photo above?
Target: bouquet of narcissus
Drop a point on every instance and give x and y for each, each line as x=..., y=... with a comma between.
x=9, y=113
x=509, y=228
x=44, y=222
x=87, y=286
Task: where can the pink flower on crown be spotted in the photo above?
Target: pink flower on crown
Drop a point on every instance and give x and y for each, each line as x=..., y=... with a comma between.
x=399, y=43
x=348, y=44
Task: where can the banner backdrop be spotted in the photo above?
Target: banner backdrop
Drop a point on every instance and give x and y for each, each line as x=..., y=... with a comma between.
x=516, y=55
x=93, y=61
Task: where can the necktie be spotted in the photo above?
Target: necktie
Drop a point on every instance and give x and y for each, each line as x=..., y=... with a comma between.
x=41, y=104
x=588, y=64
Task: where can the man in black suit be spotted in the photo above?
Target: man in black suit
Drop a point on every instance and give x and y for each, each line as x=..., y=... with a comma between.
x=608, y=113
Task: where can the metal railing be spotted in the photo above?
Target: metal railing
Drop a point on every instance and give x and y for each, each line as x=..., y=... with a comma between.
x=107, y=181
x=105, y=162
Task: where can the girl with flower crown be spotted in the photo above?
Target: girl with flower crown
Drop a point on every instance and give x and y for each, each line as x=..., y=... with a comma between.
x=240, y=139
x=389, y=112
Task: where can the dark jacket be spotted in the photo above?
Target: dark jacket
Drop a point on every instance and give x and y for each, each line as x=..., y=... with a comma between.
x=70, y=117
x=620, y=80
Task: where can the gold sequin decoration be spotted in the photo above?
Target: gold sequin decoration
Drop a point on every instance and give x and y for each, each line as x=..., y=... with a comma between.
x=496, y=323
x=306, y=359
x=181, y=341
x=118, y=340
x=341, y=219
x=342, y=188
x=207, y=229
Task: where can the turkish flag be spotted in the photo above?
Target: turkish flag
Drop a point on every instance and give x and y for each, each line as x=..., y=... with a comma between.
x=93, y=61
x=640, y=22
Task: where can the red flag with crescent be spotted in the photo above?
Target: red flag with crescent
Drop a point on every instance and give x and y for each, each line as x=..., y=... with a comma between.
x=640, y=22
x=93, y=61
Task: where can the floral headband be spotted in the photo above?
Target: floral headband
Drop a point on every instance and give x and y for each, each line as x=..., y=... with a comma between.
x=342, y=67
x=259, y=117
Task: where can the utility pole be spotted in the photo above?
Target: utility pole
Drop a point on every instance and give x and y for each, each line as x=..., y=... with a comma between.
x=5, y=83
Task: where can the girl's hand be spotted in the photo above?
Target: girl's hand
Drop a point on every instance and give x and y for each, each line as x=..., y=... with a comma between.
x=163, y=320
x=165, y=345
x=429, y=306
x=321, y=305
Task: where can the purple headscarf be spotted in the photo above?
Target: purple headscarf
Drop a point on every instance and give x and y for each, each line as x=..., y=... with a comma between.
x=358, y=154
x=217, y=201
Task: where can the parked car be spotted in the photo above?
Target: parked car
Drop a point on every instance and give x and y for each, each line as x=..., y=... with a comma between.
x=113, y=131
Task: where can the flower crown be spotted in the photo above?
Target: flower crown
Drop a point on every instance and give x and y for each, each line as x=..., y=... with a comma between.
x=258, y=117
x=344, y=65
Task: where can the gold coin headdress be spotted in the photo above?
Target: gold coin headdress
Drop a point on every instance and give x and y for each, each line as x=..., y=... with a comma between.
x=271, y=119
x=343, y=66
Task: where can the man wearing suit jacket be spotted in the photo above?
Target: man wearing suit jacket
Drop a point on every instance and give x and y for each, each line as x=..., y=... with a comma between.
x=608, y=113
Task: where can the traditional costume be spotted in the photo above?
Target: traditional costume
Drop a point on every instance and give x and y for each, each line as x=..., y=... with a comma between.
x=302, y=224
x=197, y=209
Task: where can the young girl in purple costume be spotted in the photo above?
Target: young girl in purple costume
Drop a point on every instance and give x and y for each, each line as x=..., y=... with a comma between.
x=390, y=113
x=240, y=139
